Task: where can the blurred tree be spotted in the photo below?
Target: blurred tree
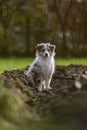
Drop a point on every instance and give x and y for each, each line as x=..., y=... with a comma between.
x=25, y=23
x=6, y=11
x=61, y=9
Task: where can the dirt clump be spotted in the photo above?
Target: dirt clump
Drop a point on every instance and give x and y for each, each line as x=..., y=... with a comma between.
x=64, y=104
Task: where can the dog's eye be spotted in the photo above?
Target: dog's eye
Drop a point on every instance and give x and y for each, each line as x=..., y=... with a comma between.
x=48, y=49
x=39, y=50
x=43, y=50
x=51, y=49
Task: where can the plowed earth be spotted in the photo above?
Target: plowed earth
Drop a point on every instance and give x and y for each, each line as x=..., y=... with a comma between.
x=65, y=103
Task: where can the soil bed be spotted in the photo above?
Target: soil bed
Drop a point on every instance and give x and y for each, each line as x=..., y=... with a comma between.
x=65, y=104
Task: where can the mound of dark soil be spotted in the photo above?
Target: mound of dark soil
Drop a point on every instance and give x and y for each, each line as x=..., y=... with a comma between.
x=65, y=104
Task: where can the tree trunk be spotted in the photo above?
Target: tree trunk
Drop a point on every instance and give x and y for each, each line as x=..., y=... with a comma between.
x=5, y=45
x=64, y=42
x=27, y=36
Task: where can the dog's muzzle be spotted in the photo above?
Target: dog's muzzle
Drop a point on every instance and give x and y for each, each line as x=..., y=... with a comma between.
x=46, y=54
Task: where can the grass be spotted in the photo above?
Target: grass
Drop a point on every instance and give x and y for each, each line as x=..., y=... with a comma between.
x=16, y=63
x=77, y=61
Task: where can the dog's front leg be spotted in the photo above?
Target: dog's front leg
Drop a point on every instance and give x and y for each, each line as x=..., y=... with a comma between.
x=39, y=84
x=48, y=81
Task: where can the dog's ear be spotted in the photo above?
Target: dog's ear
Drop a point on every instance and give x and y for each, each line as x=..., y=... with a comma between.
x=52, y=47
x=39, y=46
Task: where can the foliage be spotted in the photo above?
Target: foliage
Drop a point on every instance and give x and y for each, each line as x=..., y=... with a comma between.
x=14, y=113
x=25, y=23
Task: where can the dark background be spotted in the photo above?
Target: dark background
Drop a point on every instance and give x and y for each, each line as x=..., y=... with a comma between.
x=24, y=23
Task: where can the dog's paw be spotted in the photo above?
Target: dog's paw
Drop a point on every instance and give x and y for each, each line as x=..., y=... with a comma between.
x=44, y=87
x=48, y=88
x=40, y=89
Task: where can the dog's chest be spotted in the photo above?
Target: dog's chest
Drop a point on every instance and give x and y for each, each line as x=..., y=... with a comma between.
x=47, y=68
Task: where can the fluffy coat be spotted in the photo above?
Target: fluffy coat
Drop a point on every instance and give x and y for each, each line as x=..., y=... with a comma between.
x=41, y=71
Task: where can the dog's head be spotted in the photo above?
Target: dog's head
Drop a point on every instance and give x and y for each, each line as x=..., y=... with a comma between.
x=45, y=50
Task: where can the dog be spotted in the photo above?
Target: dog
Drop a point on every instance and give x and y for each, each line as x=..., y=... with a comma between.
x=41, y=71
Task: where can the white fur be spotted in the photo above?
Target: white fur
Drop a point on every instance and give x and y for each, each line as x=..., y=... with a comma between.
x=47, y=70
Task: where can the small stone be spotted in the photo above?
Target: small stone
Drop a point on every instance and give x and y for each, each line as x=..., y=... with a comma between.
x=84, y=76
x=86, y=72
x=78, y=85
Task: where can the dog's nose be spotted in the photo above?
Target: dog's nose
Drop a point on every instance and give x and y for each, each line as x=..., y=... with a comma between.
x=46, y=54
